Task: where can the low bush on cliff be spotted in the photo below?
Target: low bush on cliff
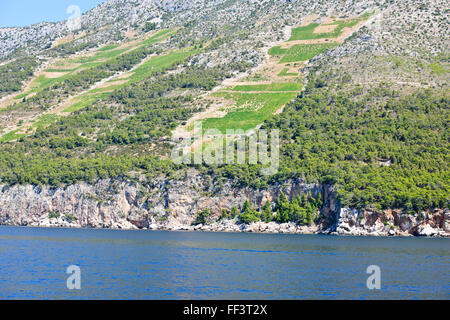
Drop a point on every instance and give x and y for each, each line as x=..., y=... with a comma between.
x=248, y=214
x=202, y=217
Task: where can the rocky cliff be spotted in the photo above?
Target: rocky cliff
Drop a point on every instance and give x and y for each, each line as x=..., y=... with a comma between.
x=392, y=223
x=172, y=204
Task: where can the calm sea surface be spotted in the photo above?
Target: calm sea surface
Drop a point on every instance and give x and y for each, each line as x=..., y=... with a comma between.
x=191, y=265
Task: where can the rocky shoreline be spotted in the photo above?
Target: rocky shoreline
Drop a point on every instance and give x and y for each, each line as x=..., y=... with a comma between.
x=173, y=204
x=342, y=228
x=258, y=227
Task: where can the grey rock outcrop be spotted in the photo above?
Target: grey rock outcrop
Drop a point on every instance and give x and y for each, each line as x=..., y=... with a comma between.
x=162, y=204
x=392, y=223
x=172, y=204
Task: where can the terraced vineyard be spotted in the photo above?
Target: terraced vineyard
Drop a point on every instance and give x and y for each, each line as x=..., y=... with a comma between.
x=140, y=72
x=304, y=52
x=117, y=66
x=250, y=109
x=106, y=58
x=245, y=104
x=64, y=69
x=332, y=29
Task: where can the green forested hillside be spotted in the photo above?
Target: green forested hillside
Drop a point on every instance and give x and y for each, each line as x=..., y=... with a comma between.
x=384, y=150
x=389, y=154
x=92, y=143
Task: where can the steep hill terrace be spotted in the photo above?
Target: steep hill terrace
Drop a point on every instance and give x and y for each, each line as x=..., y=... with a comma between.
x=249, y=99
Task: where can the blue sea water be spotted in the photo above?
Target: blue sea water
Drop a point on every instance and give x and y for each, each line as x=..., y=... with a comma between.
x=195, y=265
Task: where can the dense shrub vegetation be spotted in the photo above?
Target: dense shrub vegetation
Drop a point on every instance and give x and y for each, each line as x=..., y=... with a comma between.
x=69, y=48
x=91, y=143
x=13, y=74
x=202, y=217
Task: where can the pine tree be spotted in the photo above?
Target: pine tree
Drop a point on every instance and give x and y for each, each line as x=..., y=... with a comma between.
x=266, y=214
x=234, y=212
x=296, y=210
x=224, y=214
x=246, y=207
x=303, y=201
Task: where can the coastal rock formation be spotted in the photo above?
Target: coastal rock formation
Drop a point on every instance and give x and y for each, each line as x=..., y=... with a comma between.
x=173, y=205
x=169, y=204
x=392, y=222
